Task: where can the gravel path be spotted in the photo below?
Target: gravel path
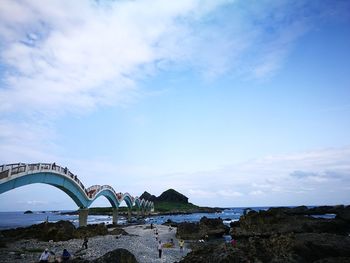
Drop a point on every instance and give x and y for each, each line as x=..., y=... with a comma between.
x=141, y=242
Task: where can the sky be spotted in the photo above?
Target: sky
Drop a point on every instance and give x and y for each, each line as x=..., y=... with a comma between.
x=230, y=102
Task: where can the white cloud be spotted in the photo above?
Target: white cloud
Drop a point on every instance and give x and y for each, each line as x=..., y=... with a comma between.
x=257, y=192
x=275, y=179
x=33, y=203
x=229, y=193
x=68, y=56
x=71, y=56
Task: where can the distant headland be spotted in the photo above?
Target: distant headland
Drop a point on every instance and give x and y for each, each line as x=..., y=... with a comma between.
x=169, y=202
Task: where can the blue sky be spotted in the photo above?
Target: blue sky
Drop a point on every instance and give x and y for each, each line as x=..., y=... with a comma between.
x=232, y=103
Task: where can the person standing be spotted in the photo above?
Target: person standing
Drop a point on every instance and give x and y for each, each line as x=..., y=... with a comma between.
x=45, y=256
x=181, y=245
x=65, y=255
x=160, y=248
x=85, y=243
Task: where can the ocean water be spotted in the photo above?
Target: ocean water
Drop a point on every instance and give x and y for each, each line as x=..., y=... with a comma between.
x=19, y=219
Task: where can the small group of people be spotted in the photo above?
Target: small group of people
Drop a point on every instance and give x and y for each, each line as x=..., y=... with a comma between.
x=49, y=256
x=160, y=246
x=171, y=242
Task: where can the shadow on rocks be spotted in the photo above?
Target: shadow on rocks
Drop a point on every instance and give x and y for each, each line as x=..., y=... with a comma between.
x=119, y=255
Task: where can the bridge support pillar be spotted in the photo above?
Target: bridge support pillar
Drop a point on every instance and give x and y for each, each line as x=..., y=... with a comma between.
x=138, y=213
x=129, y=214
x=83, y=215
x=115, y=216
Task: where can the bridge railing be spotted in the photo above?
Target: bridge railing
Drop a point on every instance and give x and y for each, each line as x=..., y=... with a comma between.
x=8, y=170
x=16, y=168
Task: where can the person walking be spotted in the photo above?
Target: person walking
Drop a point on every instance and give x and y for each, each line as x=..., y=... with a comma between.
x=45, y=256
x=160, y=248
x=85, y=243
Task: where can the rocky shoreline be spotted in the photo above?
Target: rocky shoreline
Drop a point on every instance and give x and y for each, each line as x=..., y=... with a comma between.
x=129, y=244
x=276, y=235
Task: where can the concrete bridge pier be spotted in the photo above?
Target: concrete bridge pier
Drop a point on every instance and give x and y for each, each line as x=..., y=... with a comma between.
x=83, y=215
x=129, y=214
x=115, y=215
x=137, y=213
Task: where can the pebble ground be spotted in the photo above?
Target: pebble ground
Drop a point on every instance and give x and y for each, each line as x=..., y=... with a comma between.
x=141, y=242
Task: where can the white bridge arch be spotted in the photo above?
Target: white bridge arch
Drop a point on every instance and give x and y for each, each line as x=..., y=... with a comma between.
x=19, y=174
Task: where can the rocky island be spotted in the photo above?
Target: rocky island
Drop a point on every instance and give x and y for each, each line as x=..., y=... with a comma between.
x=170, y=202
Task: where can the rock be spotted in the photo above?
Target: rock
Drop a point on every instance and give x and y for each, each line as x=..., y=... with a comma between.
x=171, y=223
x=188, y=231
x=344, y=214
x=279, y=221
x=205, y=229
x=91, y=230
x=118, y=231
x=62, y=230
x=28, y=212
x=59, y=231
x=119, y=255
x=214, y=252
x=334, y=260
x=316, y=246
x=277, y=235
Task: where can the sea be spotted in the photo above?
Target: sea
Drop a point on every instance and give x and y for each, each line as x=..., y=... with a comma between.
x=20, y=219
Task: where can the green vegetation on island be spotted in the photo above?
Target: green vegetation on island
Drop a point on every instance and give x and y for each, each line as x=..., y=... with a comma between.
x=169, y=202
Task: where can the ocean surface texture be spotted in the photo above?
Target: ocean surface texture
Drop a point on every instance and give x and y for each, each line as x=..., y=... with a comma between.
x=19, y=219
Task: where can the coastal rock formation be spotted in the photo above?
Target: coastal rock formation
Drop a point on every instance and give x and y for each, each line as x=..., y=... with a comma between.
x=60, y=231
x=147, y=196
x=172, y=196
x=169, y=195
x=205, y=229
x=281, y=235
x=119, y=255
x=278, y=221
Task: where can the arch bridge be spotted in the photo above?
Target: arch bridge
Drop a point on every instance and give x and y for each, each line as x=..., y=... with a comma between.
x=19, y=174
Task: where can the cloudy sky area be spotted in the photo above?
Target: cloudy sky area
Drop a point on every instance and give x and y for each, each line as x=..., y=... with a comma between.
x=232, y=103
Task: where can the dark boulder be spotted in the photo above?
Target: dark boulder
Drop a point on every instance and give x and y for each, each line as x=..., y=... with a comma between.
x=90, y=231
x=344, y=214
x=118, y=231
x=278, y=221
x=119, y=255
x=171, y=223
x=59, y=231
x=214, y=252
x=205, y=229
x=188, y=231
x=316, y=246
